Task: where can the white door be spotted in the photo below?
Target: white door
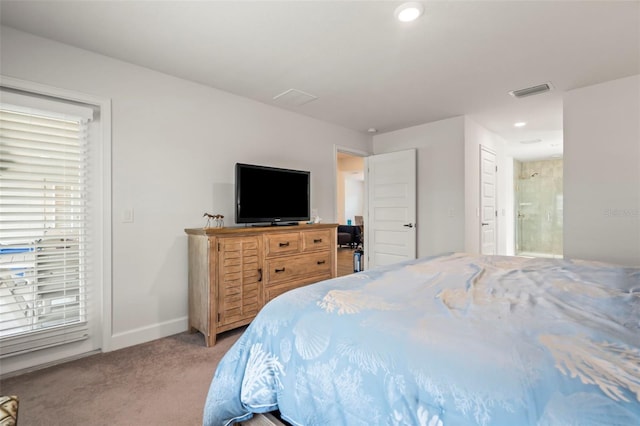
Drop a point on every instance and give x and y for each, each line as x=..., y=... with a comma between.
x=488, y=202
x=391, y=198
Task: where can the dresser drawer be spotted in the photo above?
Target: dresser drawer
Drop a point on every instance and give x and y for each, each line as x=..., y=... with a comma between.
x=271, y=292
x=287, y=243
x=316, y=240
x=280, y=270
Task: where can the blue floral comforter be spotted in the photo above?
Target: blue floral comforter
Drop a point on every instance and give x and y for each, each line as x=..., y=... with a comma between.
x=447, y=340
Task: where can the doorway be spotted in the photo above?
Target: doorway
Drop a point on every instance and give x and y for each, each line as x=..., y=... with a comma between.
x=539, y=208
x=350, y=205
x=350, y=184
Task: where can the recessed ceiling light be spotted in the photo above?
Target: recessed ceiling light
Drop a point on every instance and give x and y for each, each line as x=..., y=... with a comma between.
x=408, y=12
x=372, y=130
x=520, y=124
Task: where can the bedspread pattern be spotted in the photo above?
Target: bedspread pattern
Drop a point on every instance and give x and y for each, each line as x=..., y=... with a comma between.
x=448, y=340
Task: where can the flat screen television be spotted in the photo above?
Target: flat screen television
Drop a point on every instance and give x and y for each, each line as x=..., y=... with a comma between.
x=272, y=195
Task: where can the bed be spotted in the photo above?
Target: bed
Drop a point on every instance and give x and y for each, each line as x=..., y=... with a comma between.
x=454, y=339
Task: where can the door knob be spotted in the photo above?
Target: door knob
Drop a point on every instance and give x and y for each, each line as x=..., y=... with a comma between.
x=408, y=225
x=485, y=224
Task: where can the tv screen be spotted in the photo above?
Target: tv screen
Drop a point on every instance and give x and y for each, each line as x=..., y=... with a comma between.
x=270, y=194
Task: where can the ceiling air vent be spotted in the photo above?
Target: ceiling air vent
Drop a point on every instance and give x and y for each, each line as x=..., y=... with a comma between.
x=294, y=97
x=535, y=90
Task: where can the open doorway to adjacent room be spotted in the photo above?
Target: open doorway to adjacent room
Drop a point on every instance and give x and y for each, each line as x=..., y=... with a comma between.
x=530, y=174
x=539, y=207
x=538, y=196
x=350, y=206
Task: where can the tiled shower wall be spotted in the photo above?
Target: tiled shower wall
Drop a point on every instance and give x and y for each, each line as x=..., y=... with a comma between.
x=539, y=201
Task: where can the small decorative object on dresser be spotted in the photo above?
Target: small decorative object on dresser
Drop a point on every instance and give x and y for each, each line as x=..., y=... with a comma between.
x=234, y=272
x=218, y=220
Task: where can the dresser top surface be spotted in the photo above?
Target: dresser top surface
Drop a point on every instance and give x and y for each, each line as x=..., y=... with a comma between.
x=259, y=229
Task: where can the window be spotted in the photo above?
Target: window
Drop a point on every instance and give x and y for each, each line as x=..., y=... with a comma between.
x=45, y=220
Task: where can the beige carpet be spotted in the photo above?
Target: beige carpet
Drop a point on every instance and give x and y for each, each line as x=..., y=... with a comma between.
x=164, y=382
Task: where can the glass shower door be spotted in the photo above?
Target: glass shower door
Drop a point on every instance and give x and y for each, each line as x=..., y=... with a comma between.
x=539, y=208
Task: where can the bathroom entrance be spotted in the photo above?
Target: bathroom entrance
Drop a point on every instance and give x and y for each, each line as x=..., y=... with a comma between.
x=539, y=207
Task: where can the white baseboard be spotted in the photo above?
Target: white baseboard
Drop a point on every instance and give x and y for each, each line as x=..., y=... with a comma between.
x=145, y=334
x=36, y=360
x=15, y=365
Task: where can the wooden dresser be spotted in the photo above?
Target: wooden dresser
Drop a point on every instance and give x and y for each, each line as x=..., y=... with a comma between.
x=233, y=272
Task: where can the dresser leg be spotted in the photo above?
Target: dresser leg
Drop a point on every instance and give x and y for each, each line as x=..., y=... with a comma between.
x=211, y=340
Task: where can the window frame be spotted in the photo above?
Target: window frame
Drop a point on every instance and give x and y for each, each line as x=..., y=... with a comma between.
x=100, y=158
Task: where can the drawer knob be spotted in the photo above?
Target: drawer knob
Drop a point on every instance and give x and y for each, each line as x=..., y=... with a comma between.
x=319, y=240
x=321, y=262
x=284, y=244
x=279, y=270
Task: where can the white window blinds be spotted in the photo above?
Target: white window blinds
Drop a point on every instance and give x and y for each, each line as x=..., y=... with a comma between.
x=44, y=218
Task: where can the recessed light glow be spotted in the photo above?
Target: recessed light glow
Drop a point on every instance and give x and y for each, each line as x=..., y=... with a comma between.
x=530, y=141
x=408, y=12
x=520, y=124
x=372, y=130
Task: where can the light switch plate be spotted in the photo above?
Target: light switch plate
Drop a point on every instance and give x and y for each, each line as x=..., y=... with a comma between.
x=127, y=215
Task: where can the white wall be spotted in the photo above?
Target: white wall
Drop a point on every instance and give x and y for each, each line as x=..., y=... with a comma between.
x=476, y=136
x=440, y=198
x=340, y=196
x=449, y=183
x=602, y=172
x=353, y=199
x=174, y=147
x=507, y=212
